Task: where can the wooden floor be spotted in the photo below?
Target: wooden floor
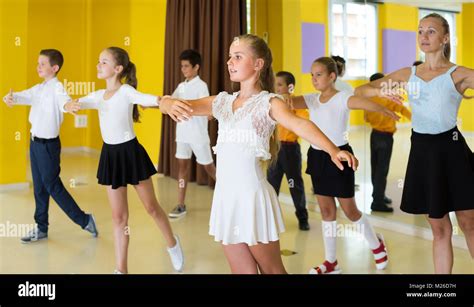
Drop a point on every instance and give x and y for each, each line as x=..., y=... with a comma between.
x=71, y=250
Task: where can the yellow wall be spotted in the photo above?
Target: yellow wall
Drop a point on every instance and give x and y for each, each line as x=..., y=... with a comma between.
x=13, y=74
x=148, y=19
x=395, y=17
x=137, y=26
x=466, y=112
x=64, y=19
x=109, y=26
x=80, y=29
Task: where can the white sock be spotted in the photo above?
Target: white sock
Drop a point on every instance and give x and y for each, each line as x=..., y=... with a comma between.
x=368, y=232
x=330, y=236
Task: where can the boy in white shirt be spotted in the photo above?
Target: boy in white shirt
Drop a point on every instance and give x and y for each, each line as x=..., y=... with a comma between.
x=47, y=102
x=192, y=135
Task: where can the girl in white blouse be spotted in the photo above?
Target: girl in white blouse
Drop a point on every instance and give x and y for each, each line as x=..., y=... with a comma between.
x=123, y=160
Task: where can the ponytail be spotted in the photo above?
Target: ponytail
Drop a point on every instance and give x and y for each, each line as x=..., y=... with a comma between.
x=129, y=73
x=131, y=79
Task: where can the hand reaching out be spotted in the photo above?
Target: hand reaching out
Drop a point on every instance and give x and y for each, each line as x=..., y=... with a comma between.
x=389, y=113
x=393, y=94
x=9, y=99
x=178, y=110
x=72, y=106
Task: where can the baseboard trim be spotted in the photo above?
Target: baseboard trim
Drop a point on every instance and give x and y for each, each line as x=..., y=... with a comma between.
x=80, y=149
x=14, y=186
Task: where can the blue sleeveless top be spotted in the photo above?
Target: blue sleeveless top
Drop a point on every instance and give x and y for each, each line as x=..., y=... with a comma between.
x=434, y=104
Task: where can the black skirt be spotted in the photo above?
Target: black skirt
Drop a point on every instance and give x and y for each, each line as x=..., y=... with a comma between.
x=440, y=175
x=122, y=164
x=327, y=179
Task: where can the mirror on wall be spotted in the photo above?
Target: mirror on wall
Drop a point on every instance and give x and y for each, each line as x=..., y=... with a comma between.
x=372, y=37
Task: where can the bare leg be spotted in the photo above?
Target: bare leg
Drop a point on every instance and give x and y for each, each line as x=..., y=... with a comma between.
x=442, y=246
x=211, y=170
x=349, y=207
x=119, y=205
x=147, y=196
x=268, y=257
x=466, y=222
x=183, y=173
x=240, y=259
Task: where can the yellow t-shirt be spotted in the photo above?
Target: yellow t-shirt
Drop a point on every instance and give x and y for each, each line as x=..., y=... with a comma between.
x=381, y=122
x=285, y=135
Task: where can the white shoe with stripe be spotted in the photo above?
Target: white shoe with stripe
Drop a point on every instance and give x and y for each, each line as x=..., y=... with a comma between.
x=326, y=268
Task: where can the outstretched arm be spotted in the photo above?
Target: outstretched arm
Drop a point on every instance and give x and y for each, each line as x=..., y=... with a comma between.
x=91, y=101
x=142, y=99
x=310, y=132
x=19, y=98
x=180, y=110
x=387, y=87
x=295, y=102
x=466, y=79
x=361, y=103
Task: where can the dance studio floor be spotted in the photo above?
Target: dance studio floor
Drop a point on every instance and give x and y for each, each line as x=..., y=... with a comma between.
x=71, y=250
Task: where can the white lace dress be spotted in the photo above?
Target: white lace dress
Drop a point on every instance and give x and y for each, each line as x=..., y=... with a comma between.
x=245, y=207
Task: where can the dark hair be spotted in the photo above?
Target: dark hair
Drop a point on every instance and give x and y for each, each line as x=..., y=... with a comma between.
x=329, y=63
x=55, y=57
x=129, y=73
x=444, y=22
x=416, y=63
x=192, y=56
x=341, y=64
x=288, y=76
x=376, y=76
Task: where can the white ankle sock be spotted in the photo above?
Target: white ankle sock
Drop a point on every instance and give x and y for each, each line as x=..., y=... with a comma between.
x=368, y=232
x=329, y=236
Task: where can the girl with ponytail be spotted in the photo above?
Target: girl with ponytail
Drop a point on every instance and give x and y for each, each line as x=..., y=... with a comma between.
x=123, y=160
x=245, y=215
x=440, y=174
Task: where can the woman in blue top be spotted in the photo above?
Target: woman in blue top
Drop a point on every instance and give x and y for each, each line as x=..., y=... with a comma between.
x=440, y=172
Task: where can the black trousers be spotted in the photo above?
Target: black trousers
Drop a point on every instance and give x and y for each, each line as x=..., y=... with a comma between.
x=381, y=145
x=289, y=164
x=45, y=169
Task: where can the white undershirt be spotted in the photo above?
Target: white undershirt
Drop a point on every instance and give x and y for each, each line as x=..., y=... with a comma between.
x=343, y=86
x=193, y=130
x=116, y=113
x=47, y=102
x=332, y=117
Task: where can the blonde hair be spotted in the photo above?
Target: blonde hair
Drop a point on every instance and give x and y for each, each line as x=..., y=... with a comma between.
x=447, y=46
x=266, y=80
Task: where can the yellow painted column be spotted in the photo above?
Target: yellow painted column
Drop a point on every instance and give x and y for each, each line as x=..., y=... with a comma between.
x=14, y=133
x=316, y=11
x=148, y=21
x=466, y=112
x=108, y=24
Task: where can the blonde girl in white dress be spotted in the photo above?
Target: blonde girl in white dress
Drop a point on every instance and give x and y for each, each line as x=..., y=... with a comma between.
x=245, y=215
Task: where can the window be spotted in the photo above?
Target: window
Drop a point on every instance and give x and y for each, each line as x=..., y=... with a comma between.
x=451, y=18
x=353, y=35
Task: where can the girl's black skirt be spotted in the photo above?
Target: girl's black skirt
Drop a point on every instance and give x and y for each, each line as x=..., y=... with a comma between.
x=440, y=175
x=125, y=163
x=327, y=179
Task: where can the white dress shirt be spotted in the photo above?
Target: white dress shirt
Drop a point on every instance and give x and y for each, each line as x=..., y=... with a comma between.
x=47, y=102
x=194, y=130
